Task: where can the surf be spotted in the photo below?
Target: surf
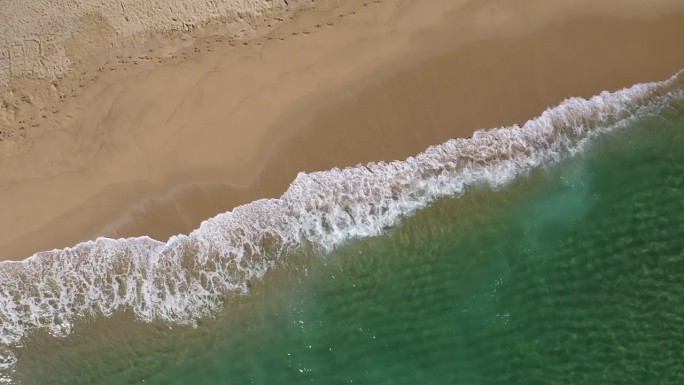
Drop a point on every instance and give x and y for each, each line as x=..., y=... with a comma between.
x=189, y=276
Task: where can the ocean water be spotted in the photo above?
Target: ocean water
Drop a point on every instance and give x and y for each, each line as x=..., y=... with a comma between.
x=547, y=253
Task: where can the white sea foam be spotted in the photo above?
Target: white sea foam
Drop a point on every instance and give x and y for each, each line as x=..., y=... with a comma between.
x=189, y=275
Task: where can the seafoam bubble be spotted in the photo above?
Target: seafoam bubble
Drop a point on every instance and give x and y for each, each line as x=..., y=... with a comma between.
x=189, y=275
x=7, y=362
x=7, y=358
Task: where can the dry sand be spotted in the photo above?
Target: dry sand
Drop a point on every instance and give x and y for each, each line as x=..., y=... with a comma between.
x=153, y=144
x=50, y=37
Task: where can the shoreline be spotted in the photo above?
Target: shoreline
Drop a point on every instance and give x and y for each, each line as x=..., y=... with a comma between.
x=313, y=116
x=191, y=276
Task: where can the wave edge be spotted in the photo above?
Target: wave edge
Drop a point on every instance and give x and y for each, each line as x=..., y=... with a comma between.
x=187, y=276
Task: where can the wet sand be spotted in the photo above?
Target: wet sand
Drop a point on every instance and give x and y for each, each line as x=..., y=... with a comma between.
x=154, y=149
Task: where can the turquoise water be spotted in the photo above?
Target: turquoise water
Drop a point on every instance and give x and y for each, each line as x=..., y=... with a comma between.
x=569, y=275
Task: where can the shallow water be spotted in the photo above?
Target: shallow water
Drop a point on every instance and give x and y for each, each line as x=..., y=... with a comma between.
x=569, y=274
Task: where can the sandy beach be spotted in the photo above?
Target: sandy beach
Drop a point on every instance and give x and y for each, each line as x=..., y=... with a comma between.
x=153, y=143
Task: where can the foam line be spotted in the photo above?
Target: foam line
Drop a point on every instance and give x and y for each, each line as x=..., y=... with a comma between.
x=188, y=276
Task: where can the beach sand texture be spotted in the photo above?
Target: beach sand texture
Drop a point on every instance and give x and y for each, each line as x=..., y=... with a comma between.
x=49, y=50
x=126, y=118
x=47, y=38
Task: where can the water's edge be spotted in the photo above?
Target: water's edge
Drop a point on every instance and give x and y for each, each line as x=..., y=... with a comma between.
x=189, y=276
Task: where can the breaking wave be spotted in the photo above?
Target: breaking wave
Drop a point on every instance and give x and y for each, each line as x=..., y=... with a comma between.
x=190, y=275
